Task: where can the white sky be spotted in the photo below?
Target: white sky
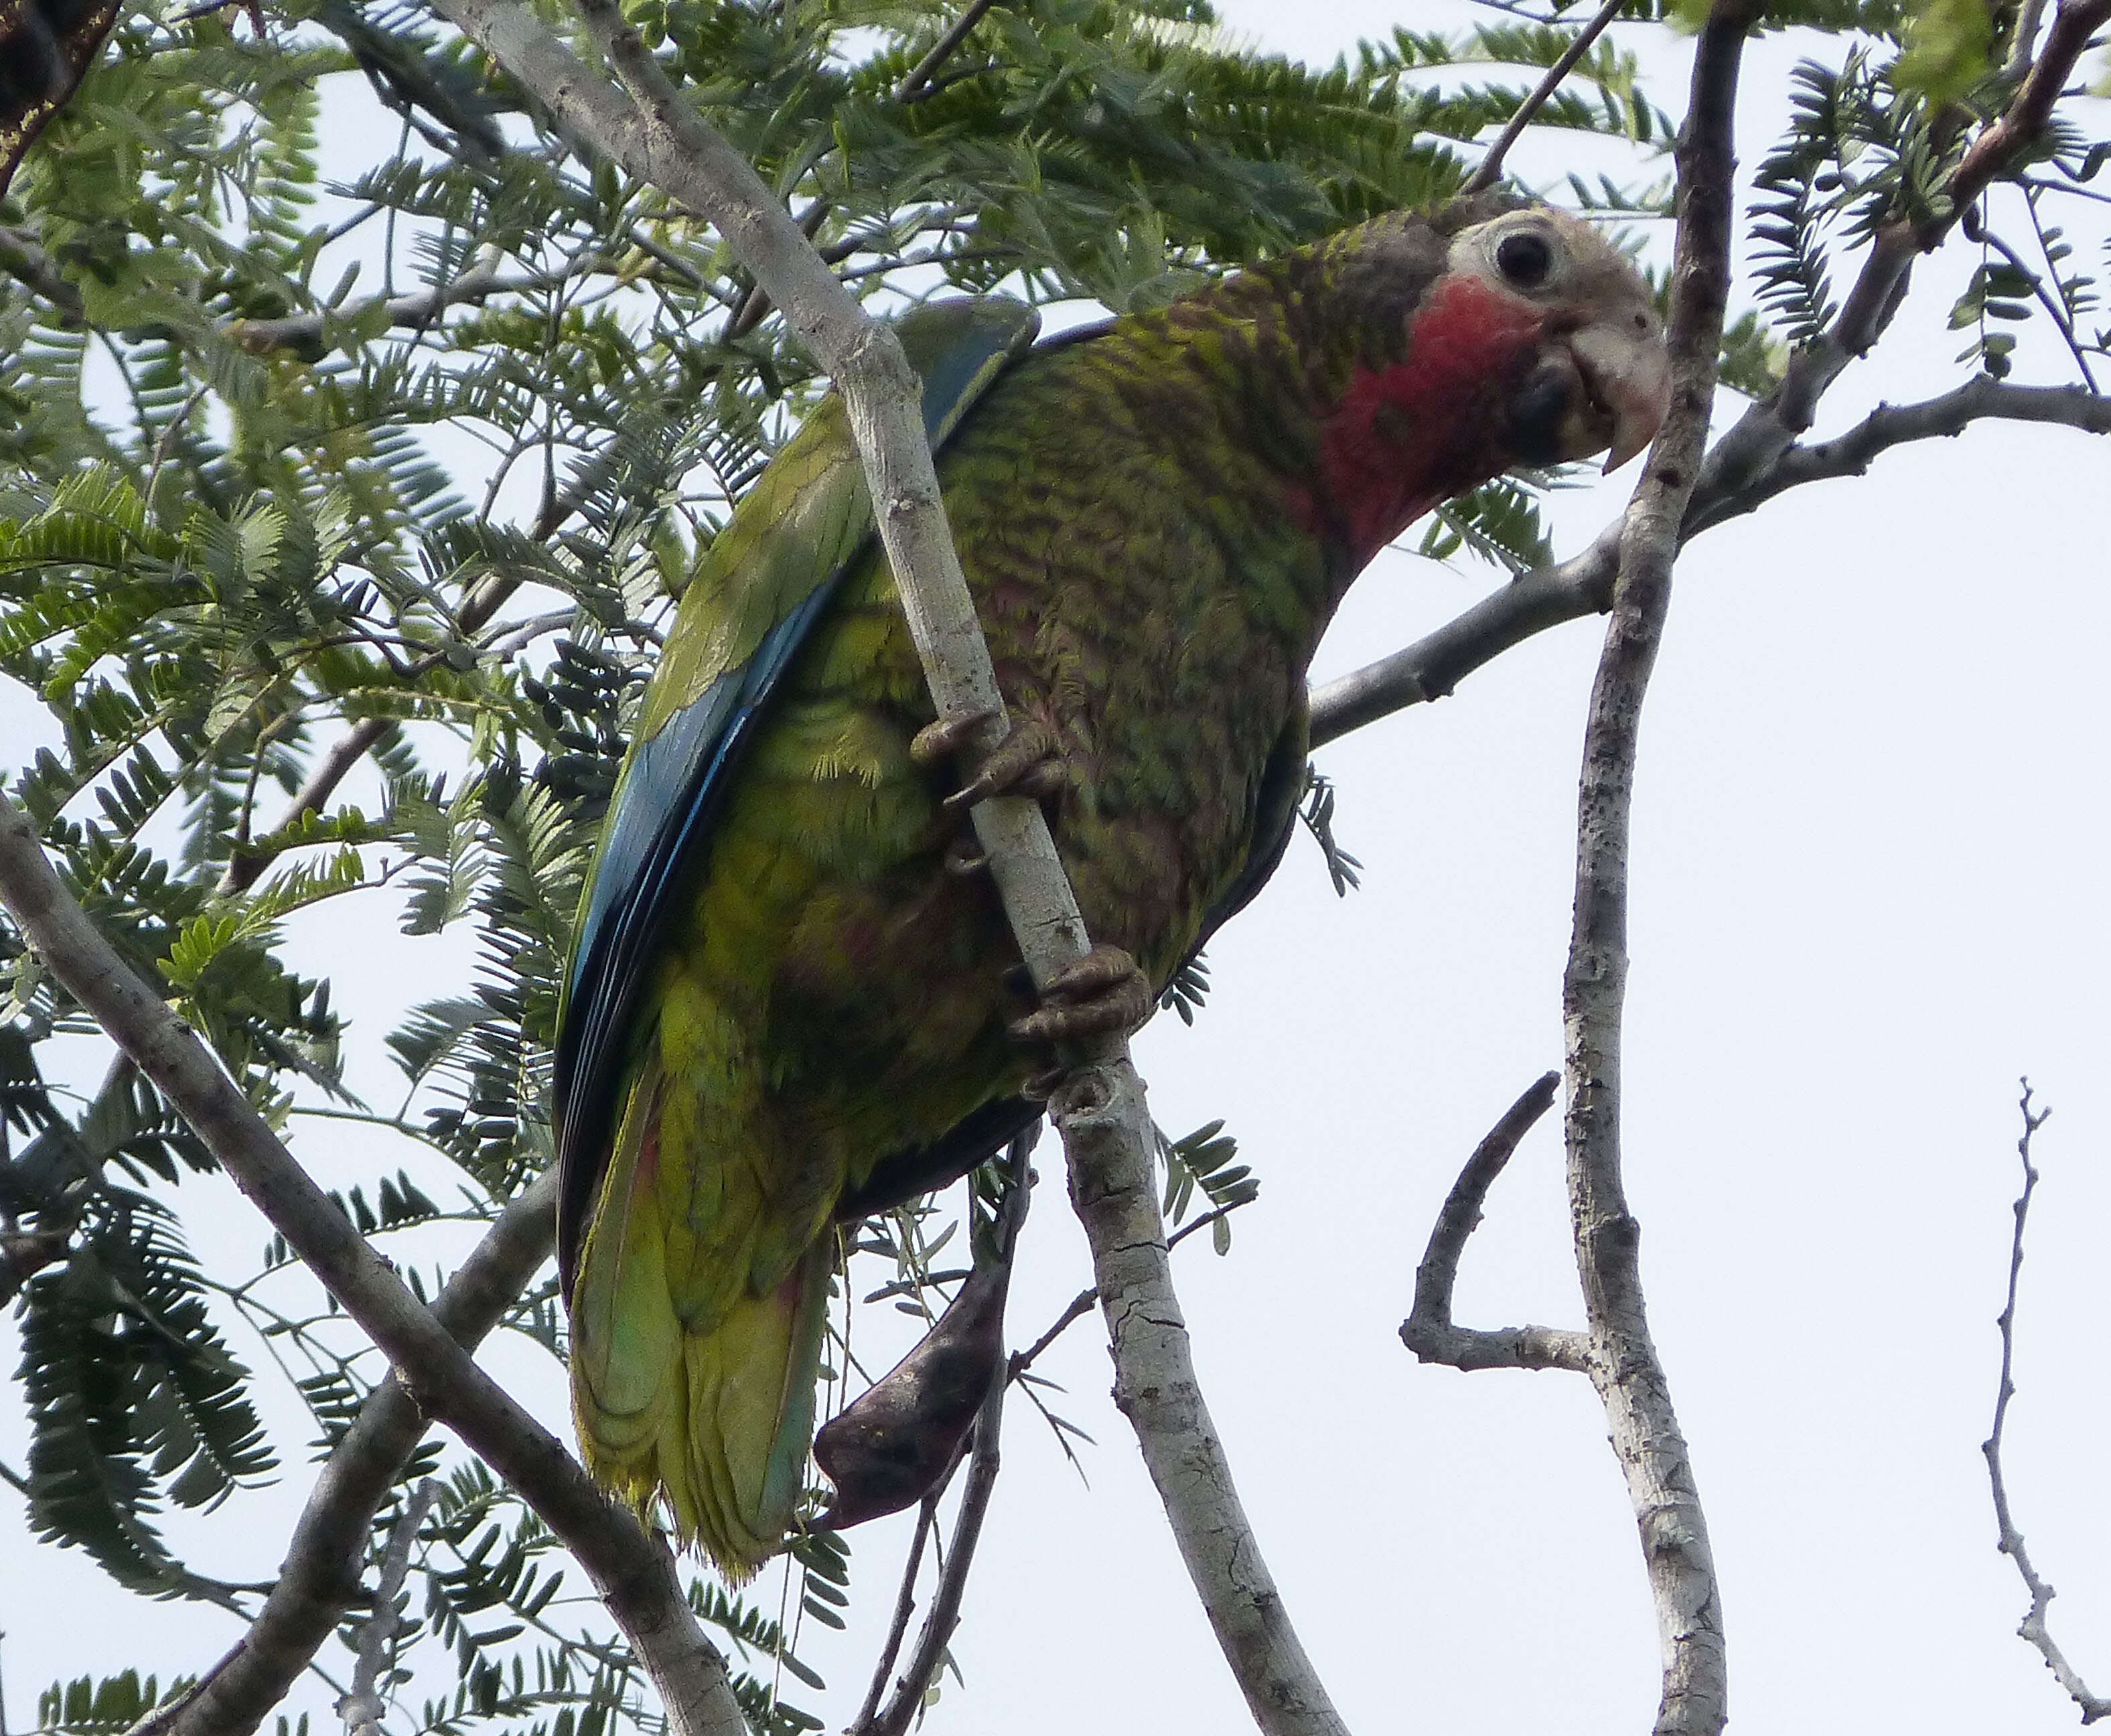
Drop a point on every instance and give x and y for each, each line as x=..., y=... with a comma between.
x=1867, y=895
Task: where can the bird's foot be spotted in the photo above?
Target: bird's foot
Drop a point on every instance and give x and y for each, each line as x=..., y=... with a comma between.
x=1105, y=993
x=1027, y=762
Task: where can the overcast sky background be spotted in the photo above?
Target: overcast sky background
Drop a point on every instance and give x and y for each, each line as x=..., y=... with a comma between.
x=1867, y=895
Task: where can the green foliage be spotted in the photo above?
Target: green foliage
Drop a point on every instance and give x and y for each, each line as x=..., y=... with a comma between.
x=345, y=490
x=1950, y=45
x=87, y=1707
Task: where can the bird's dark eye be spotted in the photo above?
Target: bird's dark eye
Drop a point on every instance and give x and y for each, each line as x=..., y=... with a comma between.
x=1525, y=259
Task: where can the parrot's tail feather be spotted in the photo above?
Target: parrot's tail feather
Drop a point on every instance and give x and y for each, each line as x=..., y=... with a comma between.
x=720, y=1420
x=751, y=1404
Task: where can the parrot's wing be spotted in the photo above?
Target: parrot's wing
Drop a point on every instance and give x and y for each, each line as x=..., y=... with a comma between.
x=765, y=581
x=1276, y=798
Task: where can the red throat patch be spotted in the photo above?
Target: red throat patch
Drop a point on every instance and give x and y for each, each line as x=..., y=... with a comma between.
x=1405, y=437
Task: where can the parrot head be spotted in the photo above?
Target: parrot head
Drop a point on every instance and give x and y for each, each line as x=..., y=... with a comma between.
x=1485, y=343
x=1601, y=382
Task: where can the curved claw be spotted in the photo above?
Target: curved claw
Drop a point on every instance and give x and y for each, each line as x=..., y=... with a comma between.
x=1025, y=763
x=1103, y=993
x=936, y=743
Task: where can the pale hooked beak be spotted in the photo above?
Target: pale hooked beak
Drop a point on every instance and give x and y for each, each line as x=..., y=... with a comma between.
x=1628, y=377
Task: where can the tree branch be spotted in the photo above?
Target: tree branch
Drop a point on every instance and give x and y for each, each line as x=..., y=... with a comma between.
x=905, y=1606
x=1768, y=426
x=2033, y=1627
x=1981, y=397
x=31, y=266
x=1428, y=1330
x=1104, y=1137
x=633, y=1569
x=1623, y=1363
x=1100, y=1111
x=917, y=85
x=1490, y=169
x=362, y=1708
x=1432, y=667
x=320, y=1577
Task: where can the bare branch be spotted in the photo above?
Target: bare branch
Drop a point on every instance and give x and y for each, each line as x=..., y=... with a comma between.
x=905, y=1606
x=318, y=1578
x=917, y=85
x=633, y=1571
x=1428, y=1330
x=1106, y=1127
x=1548, y=596
x=2033, y=1627
x=1432, y=667
x=1490, y=169
x=1623, y=1363
x=29, y=265
x=361, y=1709
x=1980, y=399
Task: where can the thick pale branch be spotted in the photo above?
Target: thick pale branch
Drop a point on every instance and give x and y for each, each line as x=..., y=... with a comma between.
x=1623, y=1363
x=2033, y=1627
x=1428, y=1330
x=1105, y=1133
x=633, y=1569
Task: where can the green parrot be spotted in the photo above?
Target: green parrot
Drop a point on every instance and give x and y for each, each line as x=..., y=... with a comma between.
x=791, y=999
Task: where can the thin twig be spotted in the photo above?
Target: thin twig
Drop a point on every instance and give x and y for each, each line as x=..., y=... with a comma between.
x=1980, y=398
x=2033, y=1627
x=916, y=86
x=1490, y=168
x=245, y=867
x=361, y=1709
x=1768, y=426
x=633, y=1569
x=904, y=1606
x=2029, y=15
x=1428, y=1330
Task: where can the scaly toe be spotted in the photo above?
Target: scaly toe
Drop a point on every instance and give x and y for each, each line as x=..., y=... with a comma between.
x=1101, y=994
x=936, y=743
